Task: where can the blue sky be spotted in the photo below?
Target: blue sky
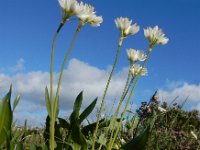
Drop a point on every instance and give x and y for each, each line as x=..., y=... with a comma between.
x=27, y=28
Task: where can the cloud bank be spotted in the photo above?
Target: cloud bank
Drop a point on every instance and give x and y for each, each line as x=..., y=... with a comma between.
x=78, y=76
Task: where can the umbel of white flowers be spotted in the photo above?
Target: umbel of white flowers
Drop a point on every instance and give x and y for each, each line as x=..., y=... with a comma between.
x=136, y=70
x=135, y=55
x=126, y=27
x=155, y=36
x=84, y=12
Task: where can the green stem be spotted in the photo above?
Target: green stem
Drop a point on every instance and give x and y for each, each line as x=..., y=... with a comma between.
x=126, y=89
x=63, y=67
x=113, y=119
x=129, y=98
x=106, y=89
x=52, y=131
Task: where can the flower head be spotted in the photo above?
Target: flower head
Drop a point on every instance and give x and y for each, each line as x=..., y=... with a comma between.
x=124, y=24
x=136, y=69
x=160, y=109
x=86, y=14
x=135, y=55
x=69, y=7
x=155, y=36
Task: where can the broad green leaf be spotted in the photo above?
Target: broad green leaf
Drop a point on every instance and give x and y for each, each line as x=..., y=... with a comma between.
x=63, y=123
x=47, y=100
x=78, y=137
x=76, y=109
x=138, y=143
x=88, y=129
x=87, y=111
x=5, y=117
x=16, y=101
x=78, y=103
x=91, y=127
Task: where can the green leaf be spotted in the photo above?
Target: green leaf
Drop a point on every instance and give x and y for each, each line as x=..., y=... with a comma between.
x=63, y=123
x=76, y=109
x=47, y=100
x=87, y=111
x=78, y=137
x=78, y=103
x=16, y=101
x=138, y=143
x=5, y=117
x=91, y=127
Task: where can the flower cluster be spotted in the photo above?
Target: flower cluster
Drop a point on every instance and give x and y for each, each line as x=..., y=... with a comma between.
x=136, y=55
x=126, y=27
x=136, y=70
x=155, y=36
x=84, y=12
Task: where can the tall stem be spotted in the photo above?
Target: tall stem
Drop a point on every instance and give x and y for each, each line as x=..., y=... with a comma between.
x=63, y=67
x=52, y=131
x=119, y=105
x=113, y=119
x=129, y=98
x=106, y=89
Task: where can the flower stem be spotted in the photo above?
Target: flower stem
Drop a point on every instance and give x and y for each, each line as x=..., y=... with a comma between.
x=126, y=89
x=106, y=89
x=113, y=119
x=62, y=69
x=129, y=98
x=52, y=122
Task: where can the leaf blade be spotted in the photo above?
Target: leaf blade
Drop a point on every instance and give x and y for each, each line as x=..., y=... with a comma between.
x=87, y=111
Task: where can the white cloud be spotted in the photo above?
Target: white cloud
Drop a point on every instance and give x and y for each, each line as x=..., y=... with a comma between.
x=19, y=66
x=77, y=77
x=182, y=90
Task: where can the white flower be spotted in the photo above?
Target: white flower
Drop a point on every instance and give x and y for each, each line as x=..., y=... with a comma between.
x=94, y=20
x=136, y=55
x=155, y=35
x=124, y=24
x=86, y=14
x=69, y=7
x=194, y=135
x=162, y=109
x=136, y=69
x=84, y=11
